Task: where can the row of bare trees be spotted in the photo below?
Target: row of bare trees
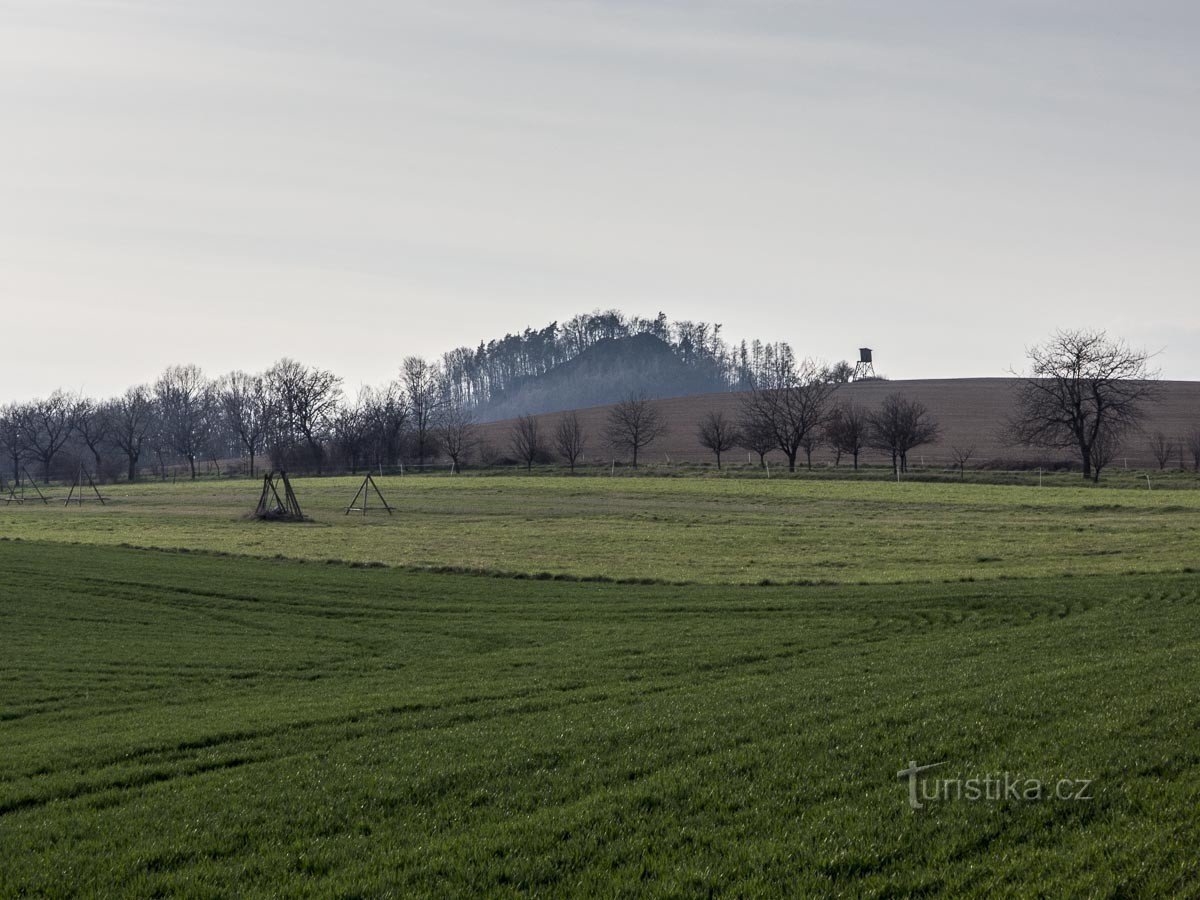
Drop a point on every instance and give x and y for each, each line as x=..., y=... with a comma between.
x=794, y=411
x=1083, y=391
x=896, y=428
x=631, y=426
x=291, y=413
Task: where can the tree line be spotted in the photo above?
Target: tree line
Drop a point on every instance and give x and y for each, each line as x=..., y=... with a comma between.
x=1084, y=392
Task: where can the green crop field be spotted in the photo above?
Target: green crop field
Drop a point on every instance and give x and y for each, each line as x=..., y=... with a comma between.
x=561, y=686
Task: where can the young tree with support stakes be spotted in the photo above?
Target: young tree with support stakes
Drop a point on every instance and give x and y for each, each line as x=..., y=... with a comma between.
x=1084, y=391
x=718, y=433
x=962, y=456
x=526, y=441
x=1163, y=449
x=569, y=438
x=757, y=437
x=634, y=424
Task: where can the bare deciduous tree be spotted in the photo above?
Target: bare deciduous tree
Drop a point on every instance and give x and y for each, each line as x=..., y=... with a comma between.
x=131, y=418
x=633, y=425
x=900, y=425
x=1193, y=446
x=46, y=427
x=526, y=441
x=1163, y=449
x=92, y=426
x=1083, y=389
x=245, y=407
x=185, y=402
x=846, y=430
x=303, y=401
x=12, y=439
x=569, y=438
x=756, y=436
x=457, y=432
x=423, y=397
x=718, y=433
x=350, y=427
x=962, y=456
x=792, y=405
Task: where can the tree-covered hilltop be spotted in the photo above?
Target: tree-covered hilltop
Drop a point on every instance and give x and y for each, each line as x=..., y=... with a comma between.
x=596, y=357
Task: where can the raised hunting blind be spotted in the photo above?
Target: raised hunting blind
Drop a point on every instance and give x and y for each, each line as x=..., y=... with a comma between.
x=865, y=368
x=364, y=491
x=278, y=502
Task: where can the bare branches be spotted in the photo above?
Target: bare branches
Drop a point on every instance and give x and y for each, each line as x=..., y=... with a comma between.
x=792, y=406
x=634, y=424
x=1163, y=449
x=718, y=433
x=246, y=408
x=961, y=456
x=526, y=441
x=847, y=430
x=131, y=417
x=569, y=438
x=900, y=425
x=1084, y=391
x=456, y=431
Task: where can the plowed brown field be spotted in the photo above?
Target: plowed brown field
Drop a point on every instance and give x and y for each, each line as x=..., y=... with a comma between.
x=971, y=412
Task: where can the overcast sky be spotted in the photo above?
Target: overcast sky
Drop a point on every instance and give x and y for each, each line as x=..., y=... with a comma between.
x=226, y=182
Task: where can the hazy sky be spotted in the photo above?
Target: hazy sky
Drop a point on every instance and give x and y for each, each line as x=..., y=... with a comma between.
x=226, y=182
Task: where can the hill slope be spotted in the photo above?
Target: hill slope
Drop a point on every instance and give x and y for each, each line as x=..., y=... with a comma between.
x=971, y=412
x=605, y=373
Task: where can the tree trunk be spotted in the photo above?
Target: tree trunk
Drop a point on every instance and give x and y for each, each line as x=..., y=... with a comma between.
x=251, y=463
x=791, y=458
x=192, y=466
x=132, y=467
x=718, y=460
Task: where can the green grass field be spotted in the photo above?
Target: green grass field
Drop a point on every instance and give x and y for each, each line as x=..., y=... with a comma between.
x=663, y=529
x=210, y=723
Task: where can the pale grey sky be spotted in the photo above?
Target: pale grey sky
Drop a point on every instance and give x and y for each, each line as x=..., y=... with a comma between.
x=226, y=182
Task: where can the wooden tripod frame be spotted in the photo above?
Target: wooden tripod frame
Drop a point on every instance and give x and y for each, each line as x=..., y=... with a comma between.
x=364, y=491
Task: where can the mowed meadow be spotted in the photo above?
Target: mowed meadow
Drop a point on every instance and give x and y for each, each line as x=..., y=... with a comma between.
x=688, y=529
x=618, y=686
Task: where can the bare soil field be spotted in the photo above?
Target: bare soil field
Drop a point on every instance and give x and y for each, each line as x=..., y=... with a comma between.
x=971, y=412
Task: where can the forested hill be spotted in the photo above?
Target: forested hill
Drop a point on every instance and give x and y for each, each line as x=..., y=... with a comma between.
x=606, y=372
x=597, y=358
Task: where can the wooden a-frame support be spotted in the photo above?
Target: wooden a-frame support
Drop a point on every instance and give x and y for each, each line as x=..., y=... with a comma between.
x=271, y=505
x=19, y=499
x=77, y=485
x=364, y=491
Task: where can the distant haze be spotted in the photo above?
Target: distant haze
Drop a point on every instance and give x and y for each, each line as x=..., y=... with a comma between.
x=349, y=182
